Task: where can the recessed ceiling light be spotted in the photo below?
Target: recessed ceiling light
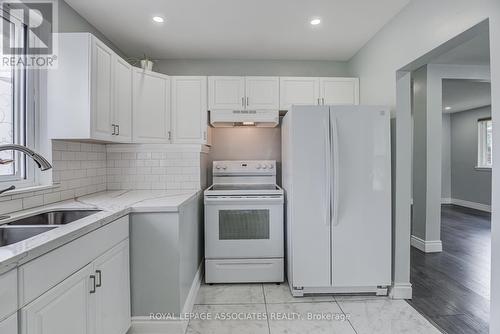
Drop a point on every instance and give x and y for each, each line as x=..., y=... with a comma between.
x=447, y=108
x=315, y=22
x=158, y=19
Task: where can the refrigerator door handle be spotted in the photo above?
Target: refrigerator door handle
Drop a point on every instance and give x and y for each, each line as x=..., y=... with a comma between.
x=327, y=209
x=334, y=181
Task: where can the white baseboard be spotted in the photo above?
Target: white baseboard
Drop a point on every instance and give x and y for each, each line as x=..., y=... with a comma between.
x=446, y=200
x=426, y=246
x=471, y=205
x=401, y=291
x=193, y=291
x=146, y=325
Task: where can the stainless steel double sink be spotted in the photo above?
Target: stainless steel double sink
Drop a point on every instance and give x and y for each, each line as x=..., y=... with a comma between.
x=30, y=226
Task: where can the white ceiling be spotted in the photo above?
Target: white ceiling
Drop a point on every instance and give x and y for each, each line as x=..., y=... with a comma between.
x=240, y=29
x=463, y=95
x=475, y=51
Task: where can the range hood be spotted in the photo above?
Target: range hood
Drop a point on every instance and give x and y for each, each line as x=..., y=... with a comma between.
x=231, y=118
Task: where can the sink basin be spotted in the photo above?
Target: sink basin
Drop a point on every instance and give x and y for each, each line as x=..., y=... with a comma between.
x=12, y=234
x=61, y=217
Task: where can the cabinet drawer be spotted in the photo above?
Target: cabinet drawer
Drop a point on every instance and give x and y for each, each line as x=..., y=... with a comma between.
x=8, y=294
x=9, y=325
x=66, y=260
x=244, y=270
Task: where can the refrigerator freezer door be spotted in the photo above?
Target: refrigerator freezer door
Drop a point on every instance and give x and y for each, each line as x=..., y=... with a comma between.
x=306, y=161
x=361, y=232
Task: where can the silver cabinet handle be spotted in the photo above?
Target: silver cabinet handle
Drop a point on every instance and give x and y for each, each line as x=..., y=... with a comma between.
x=204, y=135
x=319, y=103
x=114, y=129
x=242, y=101
x=248, y=103
x=169, y=135
x=118, y=131
x=322, y=100
x=92, y=290
x=98, y=274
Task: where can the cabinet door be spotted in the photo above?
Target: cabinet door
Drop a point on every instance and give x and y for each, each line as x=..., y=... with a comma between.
x=102, y=91
x=262, y=93
x=298, y=91
x=151, y=112
x=113, y=290
x=122, y=116
x=9, y=325
x=189, y=110
x=226, y=93
x=64, y=309
x=339, y=90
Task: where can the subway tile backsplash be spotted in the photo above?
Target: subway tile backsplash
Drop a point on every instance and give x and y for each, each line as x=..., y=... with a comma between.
x=165, y=167
x=84, y=168
x=78, y=169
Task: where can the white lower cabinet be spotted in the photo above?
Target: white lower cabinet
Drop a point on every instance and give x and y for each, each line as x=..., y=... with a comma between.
x=9, y=325
x=93, y=300
x=64, y=309
x=113, y=291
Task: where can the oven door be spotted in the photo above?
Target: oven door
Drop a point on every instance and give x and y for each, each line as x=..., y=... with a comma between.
x=243, y=227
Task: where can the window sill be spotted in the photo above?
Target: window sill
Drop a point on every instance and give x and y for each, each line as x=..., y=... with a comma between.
x=30, y=189
x=488, y=169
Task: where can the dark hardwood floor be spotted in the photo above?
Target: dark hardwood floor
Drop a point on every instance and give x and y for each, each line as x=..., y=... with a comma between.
x=452, y=288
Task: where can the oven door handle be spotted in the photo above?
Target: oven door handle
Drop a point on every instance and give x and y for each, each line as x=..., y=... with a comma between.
x=245, y=200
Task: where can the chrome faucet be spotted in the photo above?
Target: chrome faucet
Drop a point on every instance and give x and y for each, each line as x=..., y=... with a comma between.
x=41, y=162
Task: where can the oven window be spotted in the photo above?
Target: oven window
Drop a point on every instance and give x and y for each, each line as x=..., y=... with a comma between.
x=243, y=224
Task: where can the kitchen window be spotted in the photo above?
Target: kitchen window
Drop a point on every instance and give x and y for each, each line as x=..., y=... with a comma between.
x=485, y=142
x=16, y=115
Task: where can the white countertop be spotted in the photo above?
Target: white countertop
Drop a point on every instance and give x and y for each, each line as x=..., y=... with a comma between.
x=114, y=204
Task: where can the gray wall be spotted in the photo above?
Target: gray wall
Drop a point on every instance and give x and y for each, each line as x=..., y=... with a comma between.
x=71, y=21
x=446, y=158
x=246, y=143
x=467, y=182
x=251, y=67
x=419, y=108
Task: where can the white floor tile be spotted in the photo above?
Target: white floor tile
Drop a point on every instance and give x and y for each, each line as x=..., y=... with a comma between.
x=281, y=294
x=257, y=324
x=386, y=317
x=298, y=319
x=230, y=294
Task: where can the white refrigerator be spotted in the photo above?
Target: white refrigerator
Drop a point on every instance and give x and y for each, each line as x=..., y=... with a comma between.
x=337, y=182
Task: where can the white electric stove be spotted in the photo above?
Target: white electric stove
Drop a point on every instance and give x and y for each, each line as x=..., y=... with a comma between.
x=244, y=223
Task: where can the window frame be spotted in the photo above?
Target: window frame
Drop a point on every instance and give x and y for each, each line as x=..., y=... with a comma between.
x=482, y=143
x=24, y=118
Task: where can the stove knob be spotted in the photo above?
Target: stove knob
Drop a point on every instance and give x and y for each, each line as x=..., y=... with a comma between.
x=271, y=166
x=259, y=166
x=264, y=166
x=224, y=167
x=217, y=167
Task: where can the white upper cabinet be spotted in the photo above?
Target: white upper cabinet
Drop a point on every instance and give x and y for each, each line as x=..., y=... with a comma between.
x=239, y=93
x=318, y=91
x=298, y=91
x=151, y=107
x=122, y=106
x=88, y=94
x=226, y=93
x=189, y=110
x=339, y=90
x=102, y=90
x=262, y=93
